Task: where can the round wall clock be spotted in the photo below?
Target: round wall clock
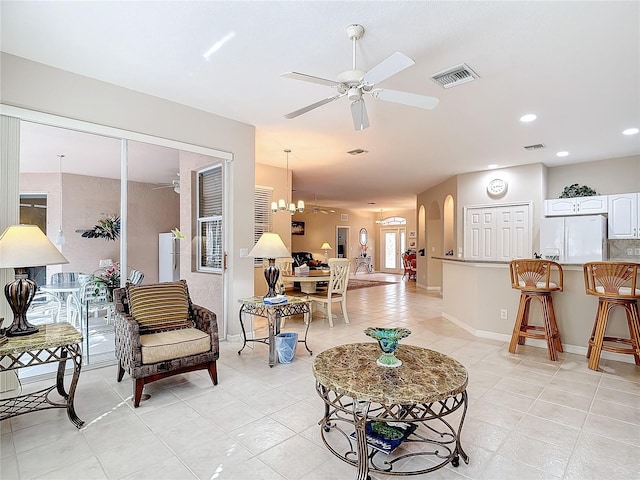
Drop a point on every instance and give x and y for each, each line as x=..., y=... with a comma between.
x=496, y=187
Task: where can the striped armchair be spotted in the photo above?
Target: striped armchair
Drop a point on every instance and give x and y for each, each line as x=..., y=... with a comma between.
x=160, y=333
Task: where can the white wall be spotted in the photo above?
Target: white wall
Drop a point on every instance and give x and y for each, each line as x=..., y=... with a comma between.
x=38, y=87
x=614, y=175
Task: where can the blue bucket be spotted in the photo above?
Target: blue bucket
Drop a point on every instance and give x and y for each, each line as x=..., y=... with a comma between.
x=286, y=344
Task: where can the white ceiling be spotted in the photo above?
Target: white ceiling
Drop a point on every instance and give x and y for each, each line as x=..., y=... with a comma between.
x=575, y=64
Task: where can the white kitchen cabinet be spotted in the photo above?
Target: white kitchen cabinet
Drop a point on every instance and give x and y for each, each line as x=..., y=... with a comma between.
x=624, y=216
x=576, y=206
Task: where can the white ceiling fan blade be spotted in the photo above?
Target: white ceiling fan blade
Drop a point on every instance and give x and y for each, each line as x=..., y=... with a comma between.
x=387, y=68
x=308, y=108
x=359, y=114
x=406, y=98
x=310, y=78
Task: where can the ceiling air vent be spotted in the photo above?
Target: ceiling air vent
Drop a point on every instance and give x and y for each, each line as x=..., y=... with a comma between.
x=357, y=151
x=537, y=146
x=455, y=76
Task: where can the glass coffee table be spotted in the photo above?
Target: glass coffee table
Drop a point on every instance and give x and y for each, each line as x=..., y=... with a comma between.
x=391, y=420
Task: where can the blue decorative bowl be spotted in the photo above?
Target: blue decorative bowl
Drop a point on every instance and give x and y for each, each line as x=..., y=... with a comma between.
x=388, y=342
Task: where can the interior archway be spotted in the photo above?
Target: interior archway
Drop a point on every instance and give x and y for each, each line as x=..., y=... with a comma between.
x=448, y=224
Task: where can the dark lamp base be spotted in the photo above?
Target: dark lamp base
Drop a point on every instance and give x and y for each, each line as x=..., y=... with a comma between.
x=271, y=274
x=19, y=294
x=16, y=330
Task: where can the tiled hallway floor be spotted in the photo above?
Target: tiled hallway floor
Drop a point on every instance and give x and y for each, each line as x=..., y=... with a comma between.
x=528, y=417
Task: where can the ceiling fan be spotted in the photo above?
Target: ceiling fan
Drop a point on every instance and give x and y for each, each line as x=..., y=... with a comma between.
x=316, y=209
x=175, y=184
x=355, y=83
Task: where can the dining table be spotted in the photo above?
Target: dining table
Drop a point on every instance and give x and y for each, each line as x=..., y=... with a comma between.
x=309, y=281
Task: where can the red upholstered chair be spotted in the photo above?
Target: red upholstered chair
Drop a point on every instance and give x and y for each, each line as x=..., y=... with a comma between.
x=409, y=263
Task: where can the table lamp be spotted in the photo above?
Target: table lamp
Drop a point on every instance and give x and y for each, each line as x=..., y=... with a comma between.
x=326, y=247
x=23, y=246
x=270, y=246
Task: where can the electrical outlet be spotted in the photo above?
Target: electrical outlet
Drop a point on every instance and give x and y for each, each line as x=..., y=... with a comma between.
x=629, y=252
x=637, y=252
x=503, y=314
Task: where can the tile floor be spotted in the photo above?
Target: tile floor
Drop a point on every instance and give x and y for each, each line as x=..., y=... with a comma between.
x=528, y=417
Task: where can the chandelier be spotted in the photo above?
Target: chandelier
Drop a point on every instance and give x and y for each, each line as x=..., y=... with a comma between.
x=284, y=205
x=380, y=219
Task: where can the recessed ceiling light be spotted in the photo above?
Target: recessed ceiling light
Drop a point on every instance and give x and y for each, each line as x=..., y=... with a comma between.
x=564, y=153
x=529, y=117
x=371, y=203
x=492, y=166
x=630, y=131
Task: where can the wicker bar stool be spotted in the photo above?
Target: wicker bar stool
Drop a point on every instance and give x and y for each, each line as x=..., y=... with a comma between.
x=616, y=285
x=536, y=279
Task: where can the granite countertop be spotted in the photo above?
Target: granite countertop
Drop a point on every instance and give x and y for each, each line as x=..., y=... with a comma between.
x=503, y=262
x=50, y=335
x=425, y=376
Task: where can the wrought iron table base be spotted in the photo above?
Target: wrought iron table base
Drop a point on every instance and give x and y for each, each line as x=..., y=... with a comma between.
x=274, y=314
x=346, y=418
x=33, y=402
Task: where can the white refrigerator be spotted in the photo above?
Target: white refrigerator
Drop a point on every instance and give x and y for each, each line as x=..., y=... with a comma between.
x=168, y=257
x=574, y=239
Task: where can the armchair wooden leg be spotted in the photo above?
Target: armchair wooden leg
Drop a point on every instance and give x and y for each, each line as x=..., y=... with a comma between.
x=138, y=386
x=213, y=372
x=120, y=371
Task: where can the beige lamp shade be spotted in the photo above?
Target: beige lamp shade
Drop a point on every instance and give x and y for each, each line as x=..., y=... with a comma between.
x=26, y=246
x=270, y=245
x=326, y=246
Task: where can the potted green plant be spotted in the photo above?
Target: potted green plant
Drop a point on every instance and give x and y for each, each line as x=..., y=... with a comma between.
x=575, y=190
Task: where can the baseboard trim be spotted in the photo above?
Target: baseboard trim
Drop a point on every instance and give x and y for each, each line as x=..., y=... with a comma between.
x=577, y=349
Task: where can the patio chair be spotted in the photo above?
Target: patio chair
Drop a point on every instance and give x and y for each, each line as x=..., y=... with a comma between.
x=135, y=276
x=45, y=308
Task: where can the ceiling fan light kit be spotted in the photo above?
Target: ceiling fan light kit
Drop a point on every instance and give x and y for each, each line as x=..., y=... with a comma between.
x=354, y=83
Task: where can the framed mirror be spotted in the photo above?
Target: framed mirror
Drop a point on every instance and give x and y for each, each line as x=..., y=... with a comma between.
x=363, y=236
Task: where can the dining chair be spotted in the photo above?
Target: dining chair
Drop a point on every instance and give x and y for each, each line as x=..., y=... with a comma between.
x=336, y=289
x=409, y=265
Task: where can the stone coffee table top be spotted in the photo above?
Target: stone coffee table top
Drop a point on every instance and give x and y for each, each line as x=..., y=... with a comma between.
x=425, y=376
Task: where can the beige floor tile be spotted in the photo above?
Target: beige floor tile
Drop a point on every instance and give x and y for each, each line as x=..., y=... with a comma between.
x=528, y=417
x=598, y=457
x=617, y=411
x=572, y=417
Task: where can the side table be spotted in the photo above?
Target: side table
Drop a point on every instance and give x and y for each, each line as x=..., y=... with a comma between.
x=54, y=343
x=273, y=313
x=362, y=262
x=372, y=413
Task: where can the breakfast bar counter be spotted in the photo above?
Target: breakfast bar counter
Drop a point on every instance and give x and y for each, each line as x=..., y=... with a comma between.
x=475, y=295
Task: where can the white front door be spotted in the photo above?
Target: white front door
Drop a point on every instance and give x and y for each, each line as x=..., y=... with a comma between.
x=393, y=241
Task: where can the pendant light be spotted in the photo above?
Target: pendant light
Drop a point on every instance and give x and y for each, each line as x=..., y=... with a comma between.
x=60, y=240
x=284, y=204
